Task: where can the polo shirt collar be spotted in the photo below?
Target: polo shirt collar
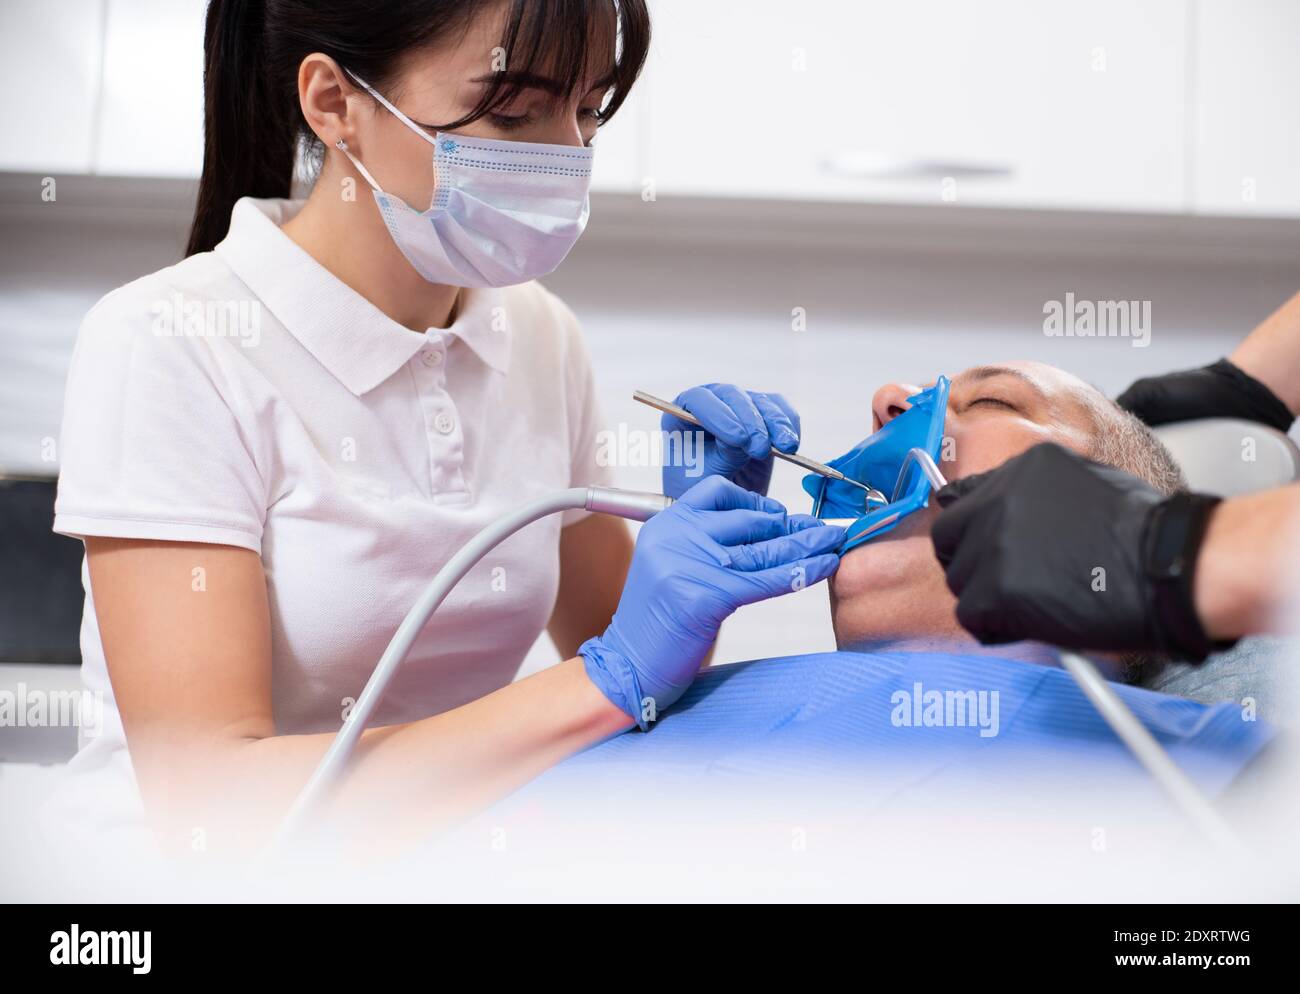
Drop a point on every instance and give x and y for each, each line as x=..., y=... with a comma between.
x=352, y=338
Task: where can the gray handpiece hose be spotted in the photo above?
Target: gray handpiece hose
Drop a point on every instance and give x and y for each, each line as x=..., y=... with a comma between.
x=631, y=504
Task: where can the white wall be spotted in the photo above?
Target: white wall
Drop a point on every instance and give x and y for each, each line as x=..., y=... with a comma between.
x=1174, y=106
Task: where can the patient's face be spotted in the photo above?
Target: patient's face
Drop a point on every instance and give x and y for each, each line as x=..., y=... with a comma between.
x=893, y=586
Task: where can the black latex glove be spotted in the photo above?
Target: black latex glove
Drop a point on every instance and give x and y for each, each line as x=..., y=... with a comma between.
x=1220, y=390
x=1022, y=547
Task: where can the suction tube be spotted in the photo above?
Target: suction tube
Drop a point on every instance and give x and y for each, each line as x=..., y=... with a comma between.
x=631, y=504
x=1123, y=722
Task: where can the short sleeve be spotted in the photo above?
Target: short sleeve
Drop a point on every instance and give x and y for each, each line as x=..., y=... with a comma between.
x=152, y=445
x=587, y=465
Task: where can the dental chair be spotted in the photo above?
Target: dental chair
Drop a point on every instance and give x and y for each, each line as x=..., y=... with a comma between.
x=1230, y=458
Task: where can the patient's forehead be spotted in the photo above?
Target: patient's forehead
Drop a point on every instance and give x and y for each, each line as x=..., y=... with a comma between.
x=1050, y=380
x=1067, y=398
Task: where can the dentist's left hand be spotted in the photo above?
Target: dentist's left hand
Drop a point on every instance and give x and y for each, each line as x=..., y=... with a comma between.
x=741, y=426
x=719, y=547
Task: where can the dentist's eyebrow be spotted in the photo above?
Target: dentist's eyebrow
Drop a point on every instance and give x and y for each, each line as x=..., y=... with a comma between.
x=521, y=81
x=532, y=81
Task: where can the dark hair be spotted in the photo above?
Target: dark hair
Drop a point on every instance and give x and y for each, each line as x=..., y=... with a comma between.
x=252, y=50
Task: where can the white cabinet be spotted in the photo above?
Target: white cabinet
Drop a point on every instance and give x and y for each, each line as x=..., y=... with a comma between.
x=1158, y=106
x=1247, y=100
x=152, y=117
x=1020, y=102
x=49, y=74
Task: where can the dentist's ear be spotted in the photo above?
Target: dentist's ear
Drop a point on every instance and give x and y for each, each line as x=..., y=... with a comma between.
x=331, y=103
x=889, y=402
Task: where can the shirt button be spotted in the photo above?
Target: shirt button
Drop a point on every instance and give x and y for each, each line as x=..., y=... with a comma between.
x=430, y=358
x=445, y=423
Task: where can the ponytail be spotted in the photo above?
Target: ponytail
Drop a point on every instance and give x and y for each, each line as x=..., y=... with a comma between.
x=249, y=128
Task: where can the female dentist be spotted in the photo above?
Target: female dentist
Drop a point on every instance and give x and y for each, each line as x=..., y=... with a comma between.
x=270, y=447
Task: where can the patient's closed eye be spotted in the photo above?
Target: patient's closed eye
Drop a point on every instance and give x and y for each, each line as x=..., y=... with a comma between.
x=995, y=401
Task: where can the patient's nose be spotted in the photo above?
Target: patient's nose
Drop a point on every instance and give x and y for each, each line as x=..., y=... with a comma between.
x=889, y=402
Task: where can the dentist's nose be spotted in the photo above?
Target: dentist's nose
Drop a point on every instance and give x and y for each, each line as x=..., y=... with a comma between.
x=889, y=402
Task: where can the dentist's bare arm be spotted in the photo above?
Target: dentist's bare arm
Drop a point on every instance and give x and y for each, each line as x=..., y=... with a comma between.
x=1247, y=566
x=595, y=554
x=1271, y=353
x=192, y=677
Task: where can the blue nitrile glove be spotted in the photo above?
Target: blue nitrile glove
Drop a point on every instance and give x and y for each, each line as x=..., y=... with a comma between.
x=718, y=548
x=742, y=426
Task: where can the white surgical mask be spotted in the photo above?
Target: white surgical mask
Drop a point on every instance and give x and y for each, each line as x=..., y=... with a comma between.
x=503, y=212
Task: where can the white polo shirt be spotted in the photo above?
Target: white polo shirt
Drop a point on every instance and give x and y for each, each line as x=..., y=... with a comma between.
x=247, y=397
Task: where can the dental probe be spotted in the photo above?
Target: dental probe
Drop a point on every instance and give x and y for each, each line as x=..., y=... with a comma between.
x=812, y=465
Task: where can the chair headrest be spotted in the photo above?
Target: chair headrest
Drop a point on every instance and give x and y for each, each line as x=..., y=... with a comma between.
x=1230, y=457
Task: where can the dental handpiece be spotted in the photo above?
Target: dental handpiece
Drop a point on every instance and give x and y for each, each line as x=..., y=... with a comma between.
x=812, y=465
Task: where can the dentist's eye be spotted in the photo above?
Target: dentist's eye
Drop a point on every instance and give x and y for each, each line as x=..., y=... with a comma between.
x=508, y=123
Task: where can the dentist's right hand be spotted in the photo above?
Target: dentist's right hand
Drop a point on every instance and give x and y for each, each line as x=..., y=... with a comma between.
x=717, y=548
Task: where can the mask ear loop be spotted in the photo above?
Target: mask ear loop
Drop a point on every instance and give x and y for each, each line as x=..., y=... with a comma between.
x=392, y=108
x=342, y=146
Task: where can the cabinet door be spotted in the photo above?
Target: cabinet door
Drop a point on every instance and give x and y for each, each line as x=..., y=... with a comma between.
x=1006, y=102
x=1247, y=70
x=49, y=73
x=152, y=117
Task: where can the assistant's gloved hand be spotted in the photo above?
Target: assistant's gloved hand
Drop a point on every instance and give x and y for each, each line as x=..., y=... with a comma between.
x=1053, y=547
x=1219, y=390
x=742, y=428
x=718, y=548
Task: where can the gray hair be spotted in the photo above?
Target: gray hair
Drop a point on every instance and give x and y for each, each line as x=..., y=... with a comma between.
x=1122, y=441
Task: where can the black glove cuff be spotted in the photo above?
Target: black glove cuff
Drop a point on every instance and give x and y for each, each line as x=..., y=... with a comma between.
x=1257, y=401
x=1171, y=544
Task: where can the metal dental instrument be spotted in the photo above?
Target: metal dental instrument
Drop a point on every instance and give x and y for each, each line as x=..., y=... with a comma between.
x=928, y=468
x=874, y=496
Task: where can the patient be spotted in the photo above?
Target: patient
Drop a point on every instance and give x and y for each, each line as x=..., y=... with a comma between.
x=911, y=703
x=891, y=590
